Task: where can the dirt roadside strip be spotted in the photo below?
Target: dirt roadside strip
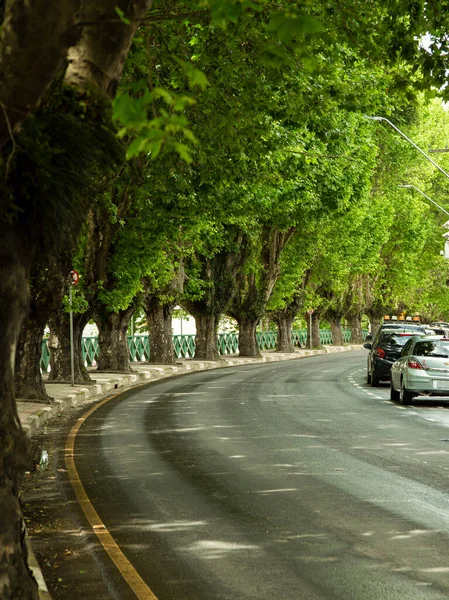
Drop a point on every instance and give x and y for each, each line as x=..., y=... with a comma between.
x=34, y=415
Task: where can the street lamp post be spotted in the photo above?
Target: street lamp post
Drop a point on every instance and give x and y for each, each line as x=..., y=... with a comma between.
x=409, y=141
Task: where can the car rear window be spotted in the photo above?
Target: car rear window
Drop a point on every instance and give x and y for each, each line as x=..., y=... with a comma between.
x=395, y=339
x=438, y=331
x=404, y=328
x=432, y=348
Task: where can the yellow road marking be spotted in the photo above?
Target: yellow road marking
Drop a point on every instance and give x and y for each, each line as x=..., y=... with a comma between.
x=126, y=569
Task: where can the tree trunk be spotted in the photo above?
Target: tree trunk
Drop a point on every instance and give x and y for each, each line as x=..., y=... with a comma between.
x=315, y=331
x=336, y=329
x=316, y=338
x=284, y=323
x=375, y=320
x=48, y=286
x=247, y=338
x=113, y=340
x=355, y=325
x=59, y=345
x=28, y=377
x=159, y=319
x=159, y=305
x=28, y=28
x=375, y=323
x=206, y=338
x=98, y=58
x=16, y=581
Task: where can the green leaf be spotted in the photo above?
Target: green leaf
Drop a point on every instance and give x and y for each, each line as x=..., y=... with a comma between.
x=294, y=25
x=183, y=151
x=160, y=92
x=130, y=111
x=122, y=17
x=154, y=148
x=136, y=147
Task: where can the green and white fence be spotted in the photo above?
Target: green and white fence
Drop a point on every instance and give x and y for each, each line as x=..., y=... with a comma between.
x=184, y=345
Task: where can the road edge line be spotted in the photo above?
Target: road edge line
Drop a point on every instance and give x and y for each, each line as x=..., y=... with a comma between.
x=126, y=569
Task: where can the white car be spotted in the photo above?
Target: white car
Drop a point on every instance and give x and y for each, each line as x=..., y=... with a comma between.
x=422, y=368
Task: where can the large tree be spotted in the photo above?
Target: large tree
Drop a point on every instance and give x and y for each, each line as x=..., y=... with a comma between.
x=55, y=136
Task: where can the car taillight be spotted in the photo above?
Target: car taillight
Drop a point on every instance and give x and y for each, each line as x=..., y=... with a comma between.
x=379, y=352
x=414, y=364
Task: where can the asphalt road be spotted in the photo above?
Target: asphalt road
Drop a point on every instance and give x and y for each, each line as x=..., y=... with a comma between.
x=288, y=480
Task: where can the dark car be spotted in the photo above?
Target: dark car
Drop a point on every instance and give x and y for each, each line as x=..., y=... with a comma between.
x=385, y=348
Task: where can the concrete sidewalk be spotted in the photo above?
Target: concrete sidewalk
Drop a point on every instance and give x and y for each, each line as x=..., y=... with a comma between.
x=34, y=415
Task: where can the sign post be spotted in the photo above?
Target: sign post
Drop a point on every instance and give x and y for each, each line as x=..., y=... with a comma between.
x=310, y=313
x=74, y=281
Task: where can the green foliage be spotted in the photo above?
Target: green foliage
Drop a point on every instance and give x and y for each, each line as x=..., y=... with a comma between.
x=155, y=134
x=253, y=112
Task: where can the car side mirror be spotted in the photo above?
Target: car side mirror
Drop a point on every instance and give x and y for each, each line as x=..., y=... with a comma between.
x=368, y=346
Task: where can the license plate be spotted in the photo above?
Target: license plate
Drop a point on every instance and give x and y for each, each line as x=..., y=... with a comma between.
x=442, y=384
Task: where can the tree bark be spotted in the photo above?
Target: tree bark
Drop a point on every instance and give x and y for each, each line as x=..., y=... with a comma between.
x=315, y=331
x=316, y=338
x=28, y=377
x=337, y=331
x=284, y=323
x=59, y=345
x=206, y=336
x=219, y=273
x=48, y=286
x=375, y=316
x=98, y=58
x=355, y=325
x=253, y=290
x=285, y=317
x=159, y=319
x=113, y=340
x=375, y=323
x=158, y=306
x=30, y=29
x=247, y=338
x=16, y=580
x=336, y=328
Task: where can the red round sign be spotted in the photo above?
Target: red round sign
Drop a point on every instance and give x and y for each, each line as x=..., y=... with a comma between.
x=75, y=277
x=310, y=311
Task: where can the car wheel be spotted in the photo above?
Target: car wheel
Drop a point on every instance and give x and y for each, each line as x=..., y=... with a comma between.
x=406, y=397
x=374, y=379
x=394, y=394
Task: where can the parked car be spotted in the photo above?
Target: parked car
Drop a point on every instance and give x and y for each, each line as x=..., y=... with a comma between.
x=383, y=351
x=443, y=324
x=439, y=330
x=423, y=368
x=400, y=326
